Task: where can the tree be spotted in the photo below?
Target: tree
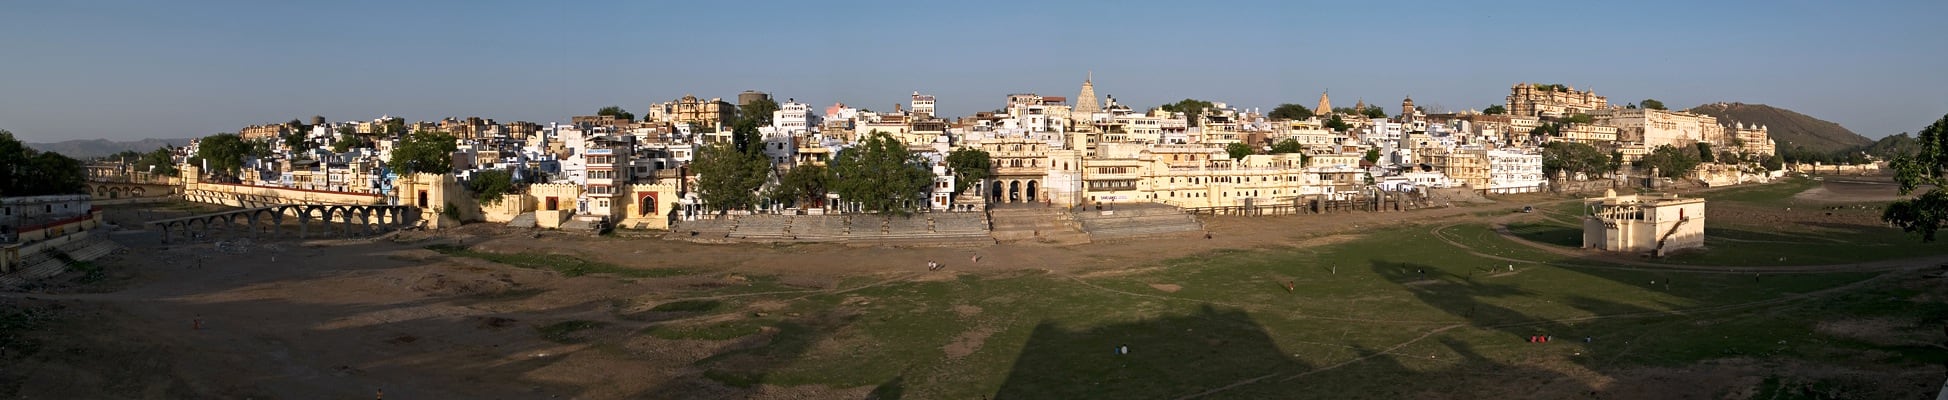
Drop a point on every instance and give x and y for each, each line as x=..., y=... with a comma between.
x=161, y=162
x=728, y=178
x=347, y=143
x=52, y=173
x=1670, y=161
x=746, y=138
x=297, y=142
x=1374, y=111
x=1495, y=110
x=616, y=111
x=758, y=111
x=26, y=172
x=802, y=186
x=1373, y=155
x=880, y=175
x=1287, y=146
x=490, y=185
x=223, y=153
x=1572, y=158
x=427, y=151
x=1190, y=107
x=1652, y=104
x=1290, y=112
x=1773, y=163
x=1238, y=151
x=1705, y=154
x=1928, y=166
x=1579, y=119
x=1337, y=124
x=968, y=165
x=1616, y=161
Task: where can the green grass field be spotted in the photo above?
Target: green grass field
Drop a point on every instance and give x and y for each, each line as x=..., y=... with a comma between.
x=1401, y=313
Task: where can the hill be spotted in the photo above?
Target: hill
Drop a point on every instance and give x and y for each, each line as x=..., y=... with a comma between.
x=1789, y=129
x=91, y=148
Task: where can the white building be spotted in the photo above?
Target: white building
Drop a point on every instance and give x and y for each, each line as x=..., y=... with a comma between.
x=1511, y=171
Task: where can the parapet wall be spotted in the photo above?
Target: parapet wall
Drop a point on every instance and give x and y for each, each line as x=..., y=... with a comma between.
x=252, y=196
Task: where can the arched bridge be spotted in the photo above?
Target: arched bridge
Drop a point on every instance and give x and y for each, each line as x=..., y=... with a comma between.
x=122, y=189
x=342, y=220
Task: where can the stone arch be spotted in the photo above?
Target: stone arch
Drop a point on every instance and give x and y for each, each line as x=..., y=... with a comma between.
x=1033, y=185
x=1014, y=191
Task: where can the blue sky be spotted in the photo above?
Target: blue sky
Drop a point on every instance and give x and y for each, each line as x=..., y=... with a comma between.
x=136, y=69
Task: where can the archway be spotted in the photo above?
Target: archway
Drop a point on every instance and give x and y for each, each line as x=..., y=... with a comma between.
x=1031, y=191
x=996, y=189
x=1014, y=191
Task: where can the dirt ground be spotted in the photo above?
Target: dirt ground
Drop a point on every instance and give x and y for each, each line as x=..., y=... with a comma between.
x=354, y=318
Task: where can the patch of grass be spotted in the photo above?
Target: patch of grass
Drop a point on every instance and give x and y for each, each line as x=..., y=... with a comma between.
x=90, y=272
x=719, y=331
x=563, y=332
x=565, y=265
x=1777, y=193
x=1547, y=232
x=688, y=305
x=734, y=379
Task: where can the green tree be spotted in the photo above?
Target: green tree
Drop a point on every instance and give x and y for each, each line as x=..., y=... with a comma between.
x=1495, y=110
x=161, y=162
x=746, y=138
x=297, y=142
x=1290, y=112
x=803, y=186
x=223, y=152
x=1616, y=161
x=1289, y=145
x=758, y=111
x=1670, y=161
x=1238, y=151
x=347, y=143
x=1373, y=155
x=880, y=175
x=1374, y=111
x=1705, y=154
x=13, y=159
x=1774, y=162
x=1190, y=107
x=53, y=173
x=1337, y=124
x=490, y=185
x=1927, y=167
x=969, y=165
x=616, y=111
x=1652, y=104
x=427, y=151
x=1571, y=158
x=1579, y=119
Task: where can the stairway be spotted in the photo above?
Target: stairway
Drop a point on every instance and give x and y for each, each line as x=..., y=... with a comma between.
x=1659, y=251
x=525, y=220
x=1035, y=223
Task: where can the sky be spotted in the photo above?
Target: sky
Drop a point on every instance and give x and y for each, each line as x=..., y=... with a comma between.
x=127, y=70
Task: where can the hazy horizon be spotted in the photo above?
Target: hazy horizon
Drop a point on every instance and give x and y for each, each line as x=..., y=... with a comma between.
x=131, y=70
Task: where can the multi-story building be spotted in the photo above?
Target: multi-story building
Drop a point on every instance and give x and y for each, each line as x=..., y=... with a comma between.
x=1465, y=165
x=1512, y=171
x=1639, y=129
x=1554, y=101
x=922, y=106
x=1752, y=139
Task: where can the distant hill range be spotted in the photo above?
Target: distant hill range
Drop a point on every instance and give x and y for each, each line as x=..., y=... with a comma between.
x=86, y=149
x=1789, y=129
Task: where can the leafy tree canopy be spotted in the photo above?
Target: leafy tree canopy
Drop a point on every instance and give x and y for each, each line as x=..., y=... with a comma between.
x=969, y=165
x=490, y=185
x=1373, y=155
x=803, y=186
x=1670, y=161
x=1290, y=112
x=616, y=111
x=1287, y=146
x=1573, y=158
x=880, y=175
x=758, y=111
x=26, y=172
x=1927, y=167
x=1190, y=107
x=426, y=151
x=223, y=152
x=1495, y=110
x=1652, y=104
x=1238, y=151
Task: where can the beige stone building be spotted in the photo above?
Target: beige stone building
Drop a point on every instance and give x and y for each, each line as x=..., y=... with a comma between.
x=1538, y=100
x=1639, y=130
x=1657, y=224
x=1466, y=166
